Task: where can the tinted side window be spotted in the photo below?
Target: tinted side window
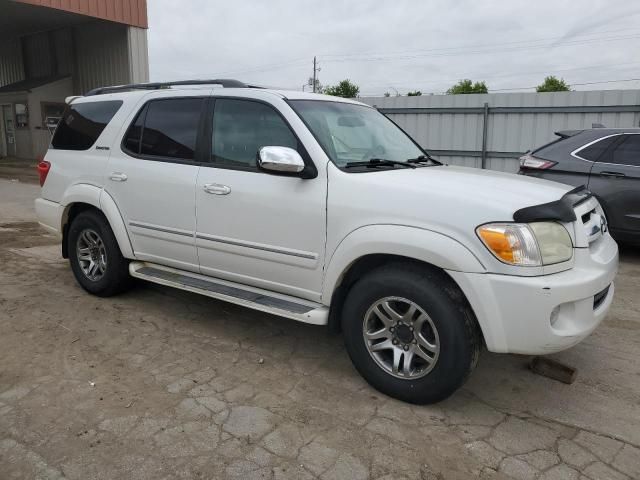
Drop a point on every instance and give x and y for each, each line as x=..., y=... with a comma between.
x=594, y=151
x=628, y=152
x=241, y=128
x=171, y=128
x=83, y=123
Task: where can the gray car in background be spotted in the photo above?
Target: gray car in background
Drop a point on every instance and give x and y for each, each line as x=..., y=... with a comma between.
x=607, y=161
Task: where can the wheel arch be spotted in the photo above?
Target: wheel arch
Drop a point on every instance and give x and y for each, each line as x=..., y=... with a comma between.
x=82, y=197
x=370, y=247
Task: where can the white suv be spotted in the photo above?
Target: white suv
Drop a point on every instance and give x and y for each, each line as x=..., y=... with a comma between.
x=322, y=210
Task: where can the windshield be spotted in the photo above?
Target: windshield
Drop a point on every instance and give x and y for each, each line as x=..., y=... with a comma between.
x=355, y=133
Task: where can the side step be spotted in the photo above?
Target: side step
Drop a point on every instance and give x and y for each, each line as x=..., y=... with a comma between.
x=256, y=298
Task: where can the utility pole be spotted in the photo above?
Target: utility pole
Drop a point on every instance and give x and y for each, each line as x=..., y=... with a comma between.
x=314, y=74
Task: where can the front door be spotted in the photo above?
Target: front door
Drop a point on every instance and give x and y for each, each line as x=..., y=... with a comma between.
x=254, y=227
x=615, y=180
x=152, y=180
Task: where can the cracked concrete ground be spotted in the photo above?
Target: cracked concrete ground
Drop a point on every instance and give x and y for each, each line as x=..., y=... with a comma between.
x=158, y=383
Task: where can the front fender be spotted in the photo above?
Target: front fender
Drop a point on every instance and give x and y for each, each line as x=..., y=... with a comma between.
x=98, y=198
x=416, y=243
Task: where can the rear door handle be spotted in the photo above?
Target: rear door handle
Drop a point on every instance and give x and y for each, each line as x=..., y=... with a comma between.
x=216, y=189
x=118, y=177
x=612, y=174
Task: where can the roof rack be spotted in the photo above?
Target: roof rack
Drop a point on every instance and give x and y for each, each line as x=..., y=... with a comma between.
x=225, y=82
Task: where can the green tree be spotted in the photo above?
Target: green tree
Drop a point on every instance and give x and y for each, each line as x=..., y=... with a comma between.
x=467, y=86
x=553, y=84
x=416, y=93
x=345, y=89
x=387, y=94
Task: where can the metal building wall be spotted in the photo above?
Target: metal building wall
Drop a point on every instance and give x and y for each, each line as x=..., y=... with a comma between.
x=48, y=54
x=102, y=51
x=452, y=126
x=11, y=69
x=138, y=55
x=37, y=55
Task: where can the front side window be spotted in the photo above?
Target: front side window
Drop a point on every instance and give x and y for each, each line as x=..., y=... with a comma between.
x=83, y=123
x=355, y=133
x=628, y=152
x=241, y=128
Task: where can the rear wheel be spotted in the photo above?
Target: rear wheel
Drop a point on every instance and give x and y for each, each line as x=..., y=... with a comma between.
x=410, y=332
x=94, y=255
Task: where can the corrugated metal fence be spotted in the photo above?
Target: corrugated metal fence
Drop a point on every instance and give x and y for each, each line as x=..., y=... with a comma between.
x=493, y=130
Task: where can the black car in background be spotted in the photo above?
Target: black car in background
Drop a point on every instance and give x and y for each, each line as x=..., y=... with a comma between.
x=607, y=161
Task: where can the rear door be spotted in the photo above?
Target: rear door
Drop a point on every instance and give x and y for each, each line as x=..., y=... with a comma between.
x=615, y=180
x=152, y=176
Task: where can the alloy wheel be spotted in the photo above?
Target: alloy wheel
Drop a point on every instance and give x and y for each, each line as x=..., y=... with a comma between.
x=401, y=338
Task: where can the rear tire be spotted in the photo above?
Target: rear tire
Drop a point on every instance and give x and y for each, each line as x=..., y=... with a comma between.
x=94, y=255
x=410, y=332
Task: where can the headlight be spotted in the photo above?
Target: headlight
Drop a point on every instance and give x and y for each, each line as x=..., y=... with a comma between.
x=527, y=244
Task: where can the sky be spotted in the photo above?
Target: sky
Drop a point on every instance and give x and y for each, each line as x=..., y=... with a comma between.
x=397, y=46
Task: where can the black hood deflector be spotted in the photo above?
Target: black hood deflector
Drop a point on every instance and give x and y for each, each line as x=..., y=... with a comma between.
x=559, y=210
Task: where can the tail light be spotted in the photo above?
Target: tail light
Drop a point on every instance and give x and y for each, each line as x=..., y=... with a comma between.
x=529, y=161
x=43, y=170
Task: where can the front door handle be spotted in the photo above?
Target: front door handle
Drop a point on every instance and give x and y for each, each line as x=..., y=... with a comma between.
x=118, y=177
x=612, y=174
x=216, y=189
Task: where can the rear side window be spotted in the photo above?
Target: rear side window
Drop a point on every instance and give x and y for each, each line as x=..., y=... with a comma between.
x=166, y=128
x=594, y=151
x=83, y=123
x=628, y=152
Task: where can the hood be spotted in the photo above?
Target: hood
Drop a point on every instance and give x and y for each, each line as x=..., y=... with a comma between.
x=501, y=192
x=448, y=199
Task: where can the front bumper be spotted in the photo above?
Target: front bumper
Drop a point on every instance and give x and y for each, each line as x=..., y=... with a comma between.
x=544, y=314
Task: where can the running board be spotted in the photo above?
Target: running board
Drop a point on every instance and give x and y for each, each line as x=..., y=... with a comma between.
x=251, y=297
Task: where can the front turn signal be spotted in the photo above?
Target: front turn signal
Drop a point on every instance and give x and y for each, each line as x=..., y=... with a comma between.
x=512, y=243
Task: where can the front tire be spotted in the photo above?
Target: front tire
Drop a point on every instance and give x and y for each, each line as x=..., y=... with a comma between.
x=94, y=255
x=410, y=332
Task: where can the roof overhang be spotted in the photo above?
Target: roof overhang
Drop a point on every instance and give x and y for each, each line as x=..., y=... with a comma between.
x=24, y=17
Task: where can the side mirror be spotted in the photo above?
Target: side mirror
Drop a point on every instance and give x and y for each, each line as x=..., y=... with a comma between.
x=280, y=160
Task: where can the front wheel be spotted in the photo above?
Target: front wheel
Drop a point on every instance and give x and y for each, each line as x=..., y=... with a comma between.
x=410, y=332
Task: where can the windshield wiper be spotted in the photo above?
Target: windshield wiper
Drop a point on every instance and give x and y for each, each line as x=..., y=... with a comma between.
x=379, y=162
x=424, y=158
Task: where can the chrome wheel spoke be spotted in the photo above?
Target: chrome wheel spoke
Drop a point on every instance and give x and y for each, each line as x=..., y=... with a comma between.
x=420, y=353
x=378, y=334
x=406, y=364
x=387, y=314
x=386, y=345
x=419, y=323
x=408, y=316
x=422, y=342
x=397, y=355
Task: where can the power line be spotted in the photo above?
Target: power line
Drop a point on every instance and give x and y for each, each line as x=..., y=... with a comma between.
x=299, y=63
x=501, y=44
x=478, y=52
